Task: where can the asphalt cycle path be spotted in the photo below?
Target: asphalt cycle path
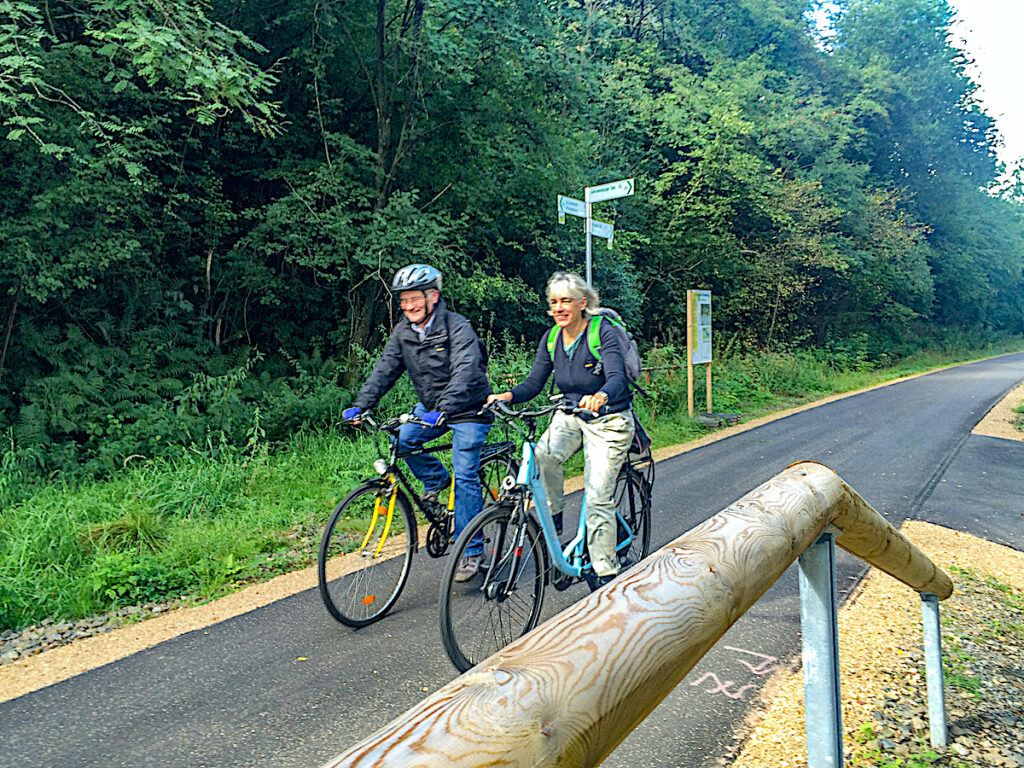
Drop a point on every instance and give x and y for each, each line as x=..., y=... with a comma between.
x=286, y=686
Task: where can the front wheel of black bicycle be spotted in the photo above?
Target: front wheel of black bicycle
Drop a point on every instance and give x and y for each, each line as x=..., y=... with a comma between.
x=364, y=558
x=503, y=600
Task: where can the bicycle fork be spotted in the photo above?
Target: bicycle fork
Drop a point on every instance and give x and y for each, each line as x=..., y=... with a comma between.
x=378, y=507
x=500, y=587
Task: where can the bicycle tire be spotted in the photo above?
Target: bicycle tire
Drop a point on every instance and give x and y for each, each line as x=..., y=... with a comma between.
x=494, y=468
x=633, y=504
x=501, y=603
x=363, y=594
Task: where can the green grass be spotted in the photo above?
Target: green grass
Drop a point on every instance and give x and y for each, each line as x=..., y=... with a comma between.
x=204, y=522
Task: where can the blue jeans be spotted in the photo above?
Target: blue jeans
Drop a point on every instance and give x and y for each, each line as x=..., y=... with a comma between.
x=467, y=440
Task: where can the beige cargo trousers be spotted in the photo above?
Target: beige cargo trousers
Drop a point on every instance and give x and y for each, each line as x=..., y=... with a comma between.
x=606, y=440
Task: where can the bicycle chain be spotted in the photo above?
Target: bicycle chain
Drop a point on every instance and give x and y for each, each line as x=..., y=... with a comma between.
x=439, y=537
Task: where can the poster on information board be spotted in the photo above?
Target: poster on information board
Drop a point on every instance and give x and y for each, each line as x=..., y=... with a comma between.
x=700, y=328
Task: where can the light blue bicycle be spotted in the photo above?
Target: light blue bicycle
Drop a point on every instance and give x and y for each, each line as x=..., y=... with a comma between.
x=503, y=601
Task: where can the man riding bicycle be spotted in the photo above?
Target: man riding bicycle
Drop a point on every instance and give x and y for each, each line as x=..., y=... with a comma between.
x=447, y=363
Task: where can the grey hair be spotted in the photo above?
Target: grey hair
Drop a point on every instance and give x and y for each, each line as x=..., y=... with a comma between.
x=575, y=287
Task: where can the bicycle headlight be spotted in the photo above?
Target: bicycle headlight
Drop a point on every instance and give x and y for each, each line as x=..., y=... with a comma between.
x=380, y=466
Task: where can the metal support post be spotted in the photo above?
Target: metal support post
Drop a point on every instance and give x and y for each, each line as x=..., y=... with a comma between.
x=819, y=628
x=933, y=668
x=587, y=229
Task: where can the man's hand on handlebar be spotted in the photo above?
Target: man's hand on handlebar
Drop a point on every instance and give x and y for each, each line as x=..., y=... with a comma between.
x=353, y=415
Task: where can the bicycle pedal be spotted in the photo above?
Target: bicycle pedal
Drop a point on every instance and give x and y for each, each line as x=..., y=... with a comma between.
x=562, y=583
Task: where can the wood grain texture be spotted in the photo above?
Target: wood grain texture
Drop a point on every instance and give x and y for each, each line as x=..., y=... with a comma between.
x=567, y=693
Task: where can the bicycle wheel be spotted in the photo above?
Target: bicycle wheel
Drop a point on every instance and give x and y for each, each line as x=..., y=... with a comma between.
x=481, y=616
x=497, y=461
x=364, y=561
x=633, y=505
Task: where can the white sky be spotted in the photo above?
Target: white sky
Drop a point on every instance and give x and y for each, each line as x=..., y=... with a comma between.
x=991, y=30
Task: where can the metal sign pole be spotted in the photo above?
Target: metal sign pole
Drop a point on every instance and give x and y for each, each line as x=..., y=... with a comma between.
x=586, y=227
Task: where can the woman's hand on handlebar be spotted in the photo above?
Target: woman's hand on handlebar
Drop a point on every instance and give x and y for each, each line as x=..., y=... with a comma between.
x=499, y=396
x=594, y=402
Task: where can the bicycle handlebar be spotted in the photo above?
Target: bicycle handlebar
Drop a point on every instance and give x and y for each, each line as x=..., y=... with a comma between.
x=391, y=425
x=562, y=404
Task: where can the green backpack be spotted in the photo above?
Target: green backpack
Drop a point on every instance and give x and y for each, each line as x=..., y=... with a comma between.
x=630, y=350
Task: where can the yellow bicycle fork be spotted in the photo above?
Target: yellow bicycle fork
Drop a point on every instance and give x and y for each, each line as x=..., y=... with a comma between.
x=378, y=506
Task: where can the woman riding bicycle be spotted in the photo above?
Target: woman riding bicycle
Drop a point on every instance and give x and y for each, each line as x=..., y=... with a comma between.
x=598, y=385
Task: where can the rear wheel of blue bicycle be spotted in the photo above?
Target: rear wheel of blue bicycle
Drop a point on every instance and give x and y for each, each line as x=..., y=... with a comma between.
x=497, y=462
x=633, y=505
x=364, y=561
x=482, y=615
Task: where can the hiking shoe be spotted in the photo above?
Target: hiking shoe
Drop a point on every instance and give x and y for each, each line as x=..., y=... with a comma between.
x=468, y=568
x=429, y=497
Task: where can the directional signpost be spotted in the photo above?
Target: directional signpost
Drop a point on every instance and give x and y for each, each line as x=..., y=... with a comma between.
x=601, y=229
x=610, y=191
x=584, y=210
x=572, y=206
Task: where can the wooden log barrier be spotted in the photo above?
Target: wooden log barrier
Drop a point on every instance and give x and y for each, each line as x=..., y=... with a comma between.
x=567, y=693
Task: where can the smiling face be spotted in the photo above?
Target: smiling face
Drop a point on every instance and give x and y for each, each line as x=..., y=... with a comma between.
x=417, y=305
x=566, y=310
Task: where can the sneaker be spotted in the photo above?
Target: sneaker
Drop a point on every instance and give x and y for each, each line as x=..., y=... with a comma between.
x=595, y=582
x=429, y=497
x=557, y=519
x=468, y=568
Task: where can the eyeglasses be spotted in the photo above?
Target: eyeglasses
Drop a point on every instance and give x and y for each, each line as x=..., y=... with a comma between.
x=412, y=301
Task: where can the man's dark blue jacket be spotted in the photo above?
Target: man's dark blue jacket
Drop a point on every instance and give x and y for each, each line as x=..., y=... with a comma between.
x=448, y=368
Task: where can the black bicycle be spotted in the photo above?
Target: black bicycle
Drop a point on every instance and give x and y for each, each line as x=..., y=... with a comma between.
x=367, y=547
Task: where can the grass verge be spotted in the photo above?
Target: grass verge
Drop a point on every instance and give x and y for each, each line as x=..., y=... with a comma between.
x=202, y=524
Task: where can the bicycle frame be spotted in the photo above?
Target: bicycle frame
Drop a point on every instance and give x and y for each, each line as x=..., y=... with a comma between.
x=567, y=559
x=391, y=474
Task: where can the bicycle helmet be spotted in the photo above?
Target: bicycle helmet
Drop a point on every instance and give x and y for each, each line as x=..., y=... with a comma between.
x=416, y=277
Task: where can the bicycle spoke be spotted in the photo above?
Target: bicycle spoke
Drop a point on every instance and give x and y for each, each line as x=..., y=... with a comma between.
x=365, y=555
x=484, y=615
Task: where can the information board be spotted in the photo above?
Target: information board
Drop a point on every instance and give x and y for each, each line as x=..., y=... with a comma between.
x=700, y=331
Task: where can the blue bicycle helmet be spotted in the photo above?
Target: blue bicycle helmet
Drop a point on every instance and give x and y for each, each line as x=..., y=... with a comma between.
x=416, y=277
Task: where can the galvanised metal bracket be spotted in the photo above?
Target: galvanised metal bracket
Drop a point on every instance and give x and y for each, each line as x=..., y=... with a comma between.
x=933, y=668
x=818, y=624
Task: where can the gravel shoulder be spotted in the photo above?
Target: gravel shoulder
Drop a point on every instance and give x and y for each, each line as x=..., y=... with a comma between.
x=998, y=422
x=882, y=675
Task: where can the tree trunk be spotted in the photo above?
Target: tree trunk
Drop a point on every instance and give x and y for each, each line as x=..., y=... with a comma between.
x=10, y=325
x=365, y=312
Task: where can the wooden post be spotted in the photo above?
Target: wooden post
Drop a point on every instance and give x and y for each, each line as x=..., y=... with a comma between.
x=708, y=366
x=689, y=352
x=569, y=692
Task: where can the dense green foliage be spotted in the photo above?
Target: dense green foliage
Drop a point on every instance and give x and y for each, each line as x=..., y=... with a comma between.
x=204, y=202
